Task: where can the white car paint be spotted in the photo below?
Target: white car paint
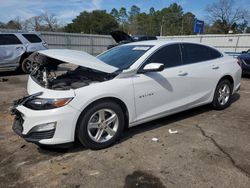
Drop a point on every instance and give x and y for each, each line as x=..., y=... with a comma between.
x=79, y=58
x=146, y=96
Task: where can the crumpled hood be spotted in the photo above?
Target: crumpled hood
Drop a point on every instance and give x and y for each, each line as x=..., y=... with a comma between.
x=78, y=58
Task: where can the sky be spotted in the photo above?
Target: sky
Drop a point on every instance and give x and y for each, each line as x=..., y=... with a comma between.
x=66, y=10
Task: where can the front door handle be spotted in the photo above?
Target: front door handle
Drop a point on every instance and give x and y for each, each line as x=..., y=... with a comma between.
x=182, y=73
x=215, y=67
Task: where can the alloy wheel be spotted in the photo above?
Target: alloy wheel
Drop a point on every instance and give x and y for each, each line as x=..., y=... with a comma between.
x=103, y=125
x=30, y=66
x=224, y=94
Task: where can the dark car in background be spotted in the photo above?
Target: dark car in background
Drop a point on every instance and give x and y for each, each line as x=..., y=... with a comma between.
x=121, y=37
x=244, y=60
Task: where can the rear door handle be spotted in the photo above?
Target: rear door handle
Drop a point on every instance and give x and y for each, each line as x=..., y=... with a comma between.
x=215, y=67
x=182, y=73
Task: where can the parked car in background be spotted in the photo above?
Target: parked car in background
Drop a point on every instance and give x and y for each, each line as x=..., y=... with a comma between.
x=121, y=37
x=16, y=47
x=122, y=87
x=244, y=61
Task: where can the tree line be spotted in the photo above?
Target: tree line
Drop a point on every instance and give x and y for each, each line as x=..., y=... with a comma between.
x=222, y=17
x=168, y=21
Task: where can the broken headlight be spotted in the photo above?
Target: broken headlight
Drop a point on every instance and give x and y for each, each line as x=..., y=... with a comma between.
x=46, y=104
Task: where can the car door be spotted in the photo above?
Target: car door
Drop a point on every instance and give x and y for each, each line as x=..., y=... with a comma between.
x=165, y=92
x=11, y=50
x=203, y=71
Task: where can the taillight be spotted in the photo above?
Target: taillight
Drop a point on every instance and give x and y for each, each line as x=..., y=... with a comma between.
x=45, y=44
x=239, y=62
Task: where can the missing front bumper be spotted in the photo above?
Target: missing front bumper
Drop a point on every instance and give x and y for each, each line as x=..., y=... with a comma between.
x=32, y=135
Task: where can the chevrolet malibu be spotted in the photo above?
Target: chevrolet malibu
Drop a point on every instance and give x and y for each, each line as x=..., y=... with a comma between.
x=98, y=97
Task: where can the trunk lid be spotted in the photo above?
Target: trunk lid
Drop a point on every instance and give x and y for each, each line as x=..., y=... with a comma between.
x=119, y=36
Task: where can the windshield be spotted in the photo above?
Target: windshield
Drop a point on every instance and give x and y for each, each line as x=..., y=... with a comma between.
x=123, y=57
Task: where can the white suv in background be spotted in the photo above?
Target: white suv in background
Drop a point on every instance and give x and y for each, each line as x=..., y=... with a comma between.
x=16, y=47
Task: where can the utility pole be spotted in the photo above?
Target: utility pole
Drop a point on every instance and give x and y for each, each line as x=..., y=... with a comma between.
x=162, y=22
x=161, y=30
x=182, y=22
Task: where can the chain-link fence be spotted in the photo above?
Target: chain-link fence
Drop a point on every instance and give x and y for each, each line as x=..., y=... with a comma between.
x=93, y=44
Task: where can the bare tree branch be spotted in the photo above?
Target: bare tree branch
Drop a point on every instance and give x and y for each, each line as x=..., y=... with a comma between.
x=33, y=23
x=50, y=21
x=226, y=13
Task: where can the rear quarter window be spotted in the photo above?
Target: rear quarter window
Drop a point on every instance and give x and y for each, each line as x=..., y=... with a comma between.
x=32, y=38
x=194, y=53
x=9, y=39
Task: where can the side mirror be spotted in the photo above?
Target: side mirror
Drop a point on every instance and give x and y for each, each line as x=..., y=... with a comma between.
x=243, y=52
x=153, y=67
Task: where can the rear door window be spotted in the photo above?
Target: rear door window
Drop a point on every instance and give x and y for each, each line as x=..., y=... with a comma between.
x=194, y=53
x=169, y=55
x=9, y=39
x=32, y=38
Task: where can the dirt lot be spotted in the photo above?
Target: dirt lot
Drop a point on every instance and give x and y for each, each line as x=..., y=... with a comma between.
x=211, y=149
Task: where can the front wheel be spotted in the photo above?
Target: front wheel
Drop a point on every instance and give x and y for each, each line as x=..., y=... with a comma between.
x=101, y=125
x=222, y=95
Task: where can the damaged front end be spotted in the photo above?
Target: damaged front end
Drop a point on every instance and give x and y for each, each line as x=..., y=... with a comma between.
x=57, y=74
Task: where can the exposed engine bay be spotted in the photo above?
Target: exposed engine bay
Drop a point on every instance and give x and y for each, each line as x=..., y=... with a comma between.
x=51, y=75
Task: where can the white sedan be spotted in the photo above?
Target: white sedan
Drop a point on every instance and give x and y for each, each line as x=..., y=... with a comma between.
x=123, y=87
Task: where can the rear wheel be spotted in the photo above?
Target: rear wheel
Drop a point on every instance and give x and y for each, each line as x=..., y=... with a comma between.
x=28, y=66
x=101, y=125
x=222, y=95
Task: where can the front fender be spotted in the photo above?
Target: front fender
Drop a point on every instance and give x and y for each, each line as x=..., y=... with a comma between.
x=121, y=89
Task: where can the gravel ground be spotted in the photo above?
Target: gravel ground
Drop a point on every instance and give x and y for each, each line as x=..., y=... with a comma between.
x=211, y=149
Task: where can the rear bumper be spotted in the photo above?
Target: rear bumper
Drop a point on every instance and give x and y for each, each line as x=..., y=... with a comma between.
x=237, y=88
x=244, y=72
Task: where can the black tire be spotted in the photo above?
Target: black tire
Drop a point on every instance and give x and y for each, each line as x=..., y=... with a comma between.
x=24, y=66
x=82, y=125
x=216, y=104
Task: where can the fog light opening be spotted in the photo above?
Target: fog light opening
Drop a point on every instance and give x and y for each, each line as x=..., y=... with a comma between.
x=44, y=127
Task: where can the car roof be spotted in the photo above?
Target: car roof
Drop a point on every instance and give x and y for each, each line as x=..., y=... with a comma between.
x=161, y=42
